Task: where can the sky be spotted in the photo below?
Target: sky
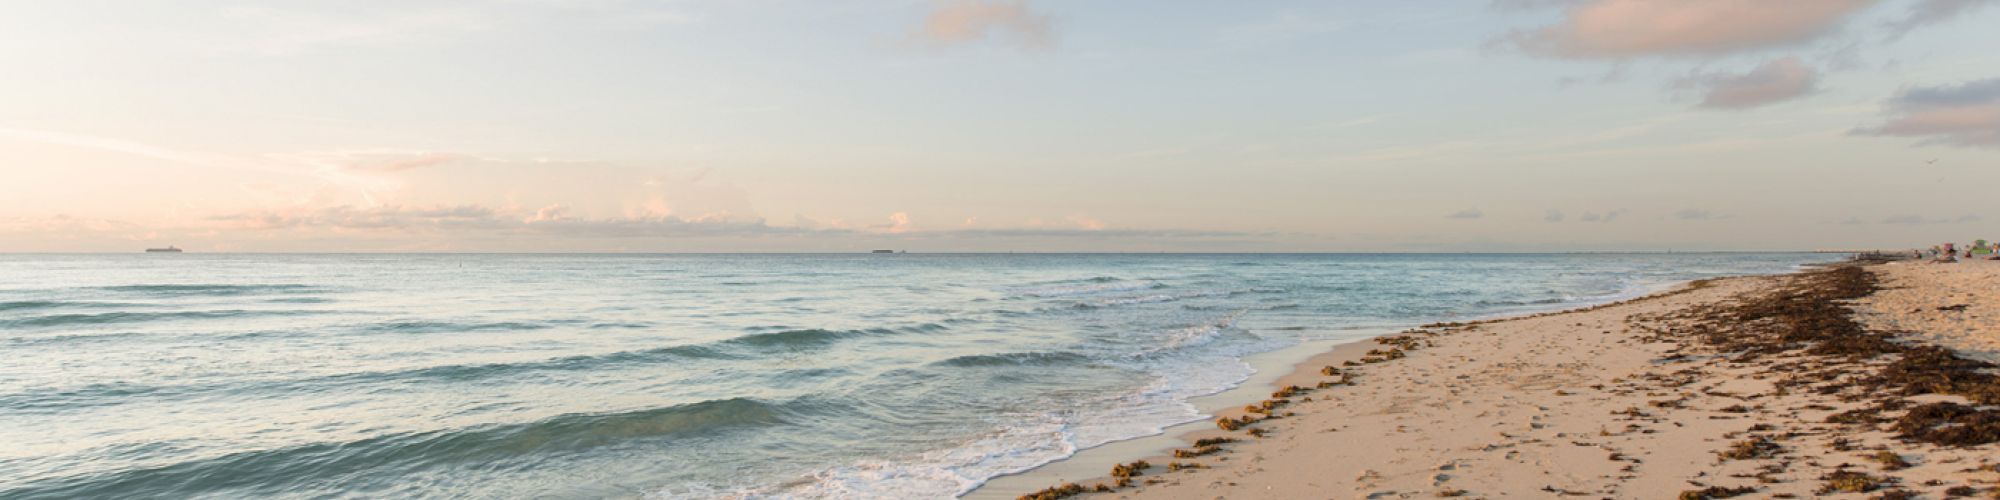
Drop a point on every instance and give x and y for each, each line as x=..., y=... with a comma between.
x=997, y=125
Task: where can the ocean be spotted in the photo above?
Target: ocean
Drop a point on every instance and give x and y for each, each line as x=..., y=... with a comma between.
x=669, y=376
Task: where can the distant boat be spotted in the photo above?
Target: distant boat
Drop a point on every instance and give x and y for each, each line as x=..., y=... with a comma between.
x=885, y=251
x=168, y=249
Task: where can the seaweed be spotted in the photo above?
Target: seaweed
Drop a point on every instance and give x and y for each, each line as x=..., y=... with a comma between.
x=1949, y=424
x=1065, y=490
x=1213, y=441
x=1889, y=460
x=1845, y=481
x=1197, y=452
x=1750, y=449
x=1717, y=492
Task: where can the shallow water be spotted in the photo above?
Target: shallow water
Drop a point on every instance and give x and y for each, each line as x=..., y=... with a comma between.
x=585, y=376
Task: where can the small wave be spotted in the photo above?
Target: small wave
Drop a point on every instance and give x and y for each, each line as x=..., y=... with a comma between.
x=816, y=337
x=1016, y=359
x=1058, y=291
x=1150, y=299
x=139, y=317
x=619, y=325
x=739, y=348
x=111, y=394
x=24, y=305
x=63, y=339
x=812, y=337
x=1511, y=303
x=202, y=289
x=300, y=300
x=454, y=327
x=1195, y=335
x=276, y=471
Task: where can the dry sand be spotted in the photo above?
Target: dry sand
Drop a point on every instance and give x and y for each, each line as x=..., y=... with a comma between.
x=1620, y=401
x=1924, y=299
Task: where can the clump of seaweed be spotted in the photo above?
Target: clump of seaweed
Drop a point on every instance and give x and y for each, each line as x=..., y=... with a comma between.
x=1230, y=424
x=1949, y=424
x=1177, y=466
x=1936, y=370
x=1750, y=449
x=1717, y=492
x=1125, y=472
x=1845, y=481
x=1213, y=441
x=1065, y=490
x=1890, y=460
x=1197, y=452
x=1895, y=494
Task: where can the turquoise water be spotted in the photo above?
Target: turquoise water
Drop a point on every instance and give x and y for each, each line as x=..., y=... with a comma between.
x=589, y=376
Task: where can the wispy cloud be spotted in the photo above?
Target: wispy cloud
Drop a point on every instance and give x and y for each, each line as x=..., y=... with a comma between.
x=1604, y=217
x=1693, y=214
x=1928, y=12
x=1918, y=220
x=958, y=22
x=1966, y=115
x=1553, y=216
x=554, y=220
x=1470, y=213
x=1617, y=29
x=1774, y=81
x=110, y=145
x=275, y=29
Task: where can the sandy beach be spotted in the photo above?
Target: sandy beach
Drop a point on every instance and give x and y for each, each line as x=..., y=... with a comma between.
x=1823, y=382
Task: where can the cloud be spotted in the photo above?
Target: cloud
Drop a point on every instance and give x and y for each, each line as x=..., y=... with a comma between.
x=1087, y=223
x=899, y=222
x=553, y=221
x=1918, y=220
x=1965, y=115
x=1553, y=216
x=1470, y=213
x=1695, y=214
x=958, y=22
x=274, y=29
x=1773, y=81
x=389, y=217
x=1605, y=217
x=1928, y=12
x=413, y=162
x=1618, y=29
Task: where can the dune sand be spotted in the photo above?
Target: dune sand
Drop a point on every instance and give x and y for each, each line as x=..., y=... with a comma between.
x=1720, y=388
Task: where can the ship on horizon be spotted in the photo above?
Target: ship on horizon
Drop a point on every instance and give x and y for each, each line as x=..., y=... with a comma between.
x=168, y=249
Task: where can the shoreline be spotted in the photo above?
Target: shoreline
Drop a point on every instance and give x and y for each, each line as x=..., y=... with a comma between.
x=1606, y=414
x=1297, y=365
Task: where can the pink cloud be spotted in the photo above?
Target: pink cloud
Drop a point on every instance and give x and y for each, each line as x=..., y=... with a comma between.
x=1773, y=81
x=1087, y=223
x=1966, y=115
x=955, y=22
x=899, y=222
x=1635, y=28
x=409, y=163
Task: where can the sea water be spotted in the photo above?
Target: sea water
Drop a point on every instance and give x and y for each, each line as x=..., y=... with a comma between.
x=590, y=376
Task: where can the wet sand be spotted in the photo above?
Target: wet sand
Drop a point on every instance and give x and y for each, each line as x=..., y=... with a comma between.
x=1767, y=386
